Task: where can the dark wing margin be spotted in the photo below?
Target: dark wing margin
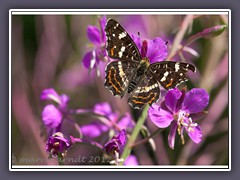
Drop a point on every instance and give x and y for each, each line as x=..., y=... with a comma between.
x=147, y=92
x=170, y=74
x=119, y=44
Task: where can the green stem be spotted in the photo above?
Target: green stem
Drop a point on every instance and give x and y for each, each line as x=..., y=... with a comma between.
x=60, y=160
x=136, y=130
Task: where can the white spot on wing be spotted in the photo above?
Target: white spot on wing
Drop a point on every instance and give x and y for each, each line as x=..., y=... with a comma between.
x=122, y=74
x=166, y=74
x=120, y=54
x=123, y=49
x=116, y=26
x=177, y=67
x=122, y=35
x=163, y=79
x=146, y=89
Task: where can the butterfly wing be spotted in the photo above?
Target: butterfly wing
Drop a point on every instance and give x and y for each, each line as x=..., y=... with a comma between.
x=118, y=75
x=147, y=91
x=169, y=74
x=119, y=44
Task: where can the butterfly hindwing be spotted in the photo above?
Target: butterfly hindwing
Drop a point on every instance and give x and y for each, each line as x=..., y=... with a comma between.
x=118, y=74
x=147, y=91
x=169, y=74
x=119, y=44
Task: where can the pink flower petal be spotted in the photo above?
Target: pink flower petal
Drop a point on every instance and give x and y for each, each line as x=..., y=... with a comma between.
x=122, y=136
x=50, y=94
x=172, y=98
x=160, y=117
x=172, y=135
x=137, y=41
x=87, y=59
x=157, y=50
x=93, y=34
x=126, y=122
x=94, y=129
x=64, y=101
x=195, y=100
x=51, y=116
x=103, y=108
x=131, y=161
x=103, y=22
x=196, y=134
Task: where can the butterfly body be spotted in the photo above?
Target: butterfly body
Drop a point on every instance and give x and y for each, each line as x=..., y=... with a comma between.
x=138, y=74
x=133, y=73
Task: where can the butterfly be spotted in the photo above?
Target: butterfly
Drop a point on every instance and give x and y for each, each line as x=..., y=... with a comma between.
x=134, y=74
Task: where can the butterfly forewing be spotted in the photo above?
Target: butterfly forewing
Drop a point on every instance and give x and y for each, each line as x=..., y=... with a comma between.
x=169, y=74
x=119, y=44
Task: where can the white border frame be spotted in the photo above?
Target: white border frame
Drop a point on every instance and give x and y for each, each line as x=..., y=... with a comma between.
x=119, y=12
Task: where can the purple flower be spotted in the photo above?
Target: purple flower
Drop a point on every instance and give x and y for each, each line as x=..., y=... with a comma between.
x=96, y=128
x=93, y=129
x=116, y=144
x=178, y=109
x=155, y=50
x=105, y=110
x=98, y=39
x=51, y=114
x=58, y=144
x=131, y=161
x=51, y=94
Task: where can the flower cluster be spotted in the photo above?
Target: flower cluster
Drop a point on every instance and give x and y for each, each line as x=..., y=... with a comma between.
x=52, y=115
x=98, y=39
x=112, y=120
x=59, y=143
x=115, y=146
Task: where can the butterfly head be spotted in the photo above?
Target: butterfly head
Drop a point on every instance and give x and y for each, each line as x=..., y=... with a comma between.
x=145, y=62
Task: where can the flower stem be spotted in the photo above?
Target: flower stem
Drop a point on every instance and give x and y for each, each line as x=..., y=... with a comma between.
x=60, y=160
x=136, y=130
x=179, y=37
